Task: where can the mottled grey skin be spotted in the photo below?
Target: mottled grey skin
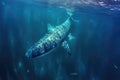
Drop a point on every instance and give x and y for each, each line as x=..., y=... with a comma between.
x=54, y=38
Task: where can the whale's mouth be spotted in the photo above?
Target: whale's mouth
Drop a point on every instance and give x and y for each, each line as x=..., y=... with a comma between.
x=28, y=54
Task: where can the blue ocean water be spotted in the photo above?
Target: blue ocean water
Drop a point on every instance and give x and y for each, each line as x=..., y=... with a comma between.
x=95, y=49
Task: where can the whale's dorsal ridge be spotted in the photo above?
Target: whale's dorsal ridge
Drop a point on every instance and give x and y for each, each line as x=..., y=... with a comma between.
x=50, y=28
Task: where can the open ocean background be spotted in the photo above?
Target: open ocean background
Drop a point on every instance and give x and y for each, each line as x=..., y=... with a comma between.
x=95, y=49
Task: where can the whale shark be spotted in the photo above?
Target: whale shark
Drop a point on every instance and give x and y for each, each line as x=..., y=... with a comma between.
x=55, y=37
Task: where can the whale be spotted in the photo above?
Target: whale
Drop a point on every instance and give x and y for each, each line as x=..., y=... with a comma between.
x=55, y=37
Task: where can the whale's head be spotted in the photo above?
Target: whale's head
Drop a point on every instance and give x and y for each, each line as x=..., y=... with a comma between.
x=34, y=52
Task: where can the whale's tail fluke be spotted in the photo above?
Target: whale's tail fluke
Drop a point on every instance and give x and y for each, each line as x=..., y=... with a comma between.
x=69, y=12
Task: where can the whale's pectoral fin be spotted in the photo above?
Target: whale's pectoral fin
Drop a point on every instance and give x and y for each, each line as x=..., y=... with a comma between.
x=50, y=28
x=70, y=37
x=66, y=47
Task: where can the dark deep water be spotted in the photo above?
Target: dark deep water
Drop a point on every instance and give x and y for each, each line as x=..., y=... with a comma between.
x=95, y=49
